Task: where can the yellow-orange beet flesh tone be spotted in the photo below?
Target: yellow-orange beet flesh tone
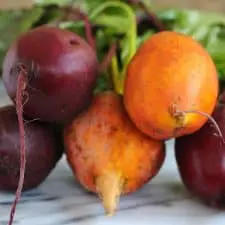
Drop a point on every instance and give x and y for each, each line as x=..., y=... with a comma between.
x=108, y=154
x=170, y=73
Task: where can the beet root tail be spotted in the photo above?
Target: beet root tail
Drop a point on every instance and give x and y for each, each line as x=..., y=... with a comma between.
x=109, y=188
x=21, y=85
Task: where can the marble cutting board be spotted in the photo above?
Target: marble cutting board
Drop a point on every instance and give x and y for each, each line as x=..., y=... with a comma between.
x=61, y=201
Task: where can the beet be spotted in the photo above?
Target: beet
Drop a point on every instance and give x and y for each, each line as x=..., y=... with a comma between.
x=201, y=161
x=62, y=71
x=42, y=152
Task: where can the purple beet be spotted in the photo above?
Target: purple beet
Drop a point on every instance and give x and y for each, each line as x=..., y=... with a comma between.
x=42, y=151
x=201, y=160
x=61, y=72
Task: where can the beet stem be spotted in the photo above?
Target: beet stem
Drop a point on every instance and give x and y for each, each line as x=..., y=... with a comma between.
x=89, y=35
x=210, y=118
x=21, y=85
x=156, y=22
x=88, y=27
x=108, y=57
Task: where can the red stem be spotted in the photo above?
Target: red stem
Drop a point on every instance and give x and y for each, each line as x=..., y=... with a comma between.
x=88, y=28
x=108, y=57
x=21, y=85
x=151, y=16
x=89, y=35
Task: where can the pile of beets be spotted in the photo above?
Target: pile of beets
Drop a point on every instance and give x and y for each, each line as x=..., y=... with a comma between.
x=50, y=75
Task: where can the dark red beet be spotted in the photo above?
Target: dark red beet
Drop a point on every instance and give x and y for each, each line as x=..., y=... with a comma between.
x=41, y=156
x=201, y=161
x=62, y=72
x=42, y=151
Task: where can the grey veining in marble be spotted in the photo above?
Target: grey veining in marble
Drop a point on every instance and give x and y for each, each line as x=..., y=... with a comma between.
x=61, y=201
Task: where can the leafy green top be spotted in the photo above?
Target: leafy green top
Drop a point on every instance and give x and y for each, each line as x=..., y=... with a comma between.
x=117, y=21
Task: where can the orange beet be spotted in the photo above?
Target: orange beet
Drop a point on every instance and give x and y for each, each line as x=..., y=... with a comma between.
x=169, y=79
x=108, y=154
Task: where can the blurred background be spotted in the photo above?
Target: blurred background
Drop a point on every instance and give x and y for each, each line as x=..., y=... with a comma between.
x=212, y=5
x=5, y=4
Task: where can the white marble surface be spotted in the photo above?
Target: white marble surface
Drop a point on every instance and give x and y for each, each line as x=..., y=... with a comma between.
x=61, y=201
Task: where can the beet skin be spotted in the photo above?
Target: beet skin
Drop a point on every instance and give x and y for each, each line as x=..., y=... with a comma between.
x=42, y=151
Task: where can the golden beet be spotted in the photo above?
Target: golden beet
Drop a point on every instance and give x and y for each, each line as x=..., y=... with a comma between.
x=108, y=154
x=169, y=80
